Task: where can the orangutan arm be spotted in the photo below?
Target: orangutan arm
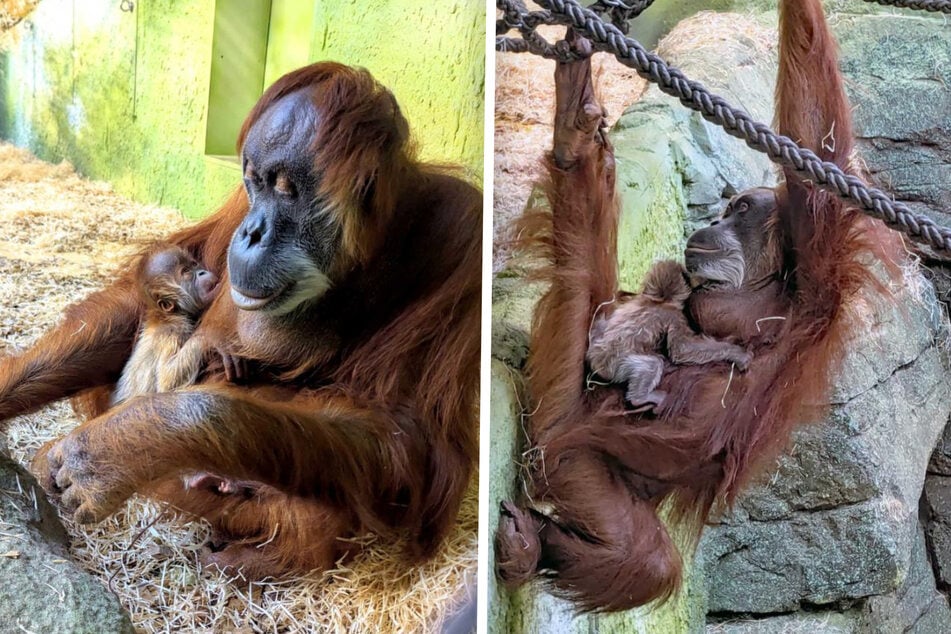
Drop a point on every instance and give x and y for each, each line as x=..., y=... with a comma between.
x=325, y=448
x=87, y=349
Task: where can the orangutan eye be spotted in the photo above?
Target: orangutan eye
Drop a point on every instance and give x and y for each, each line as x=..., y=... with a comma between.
x=251, y=176
x=285, y=186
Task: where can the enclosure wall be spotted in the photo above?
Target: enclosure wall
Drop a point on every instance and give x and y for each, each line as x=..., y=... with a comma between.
x=126, y=95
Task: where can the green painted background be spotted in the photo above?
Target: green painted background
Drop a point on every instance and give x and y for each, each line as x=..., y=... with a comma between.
x=124, y=95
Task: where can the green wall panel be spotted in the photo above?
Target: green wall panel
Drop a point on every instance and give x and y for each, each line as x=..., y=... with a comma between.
x=125, y=96
x=238, y=53
x=290, y=33
x=431, y=54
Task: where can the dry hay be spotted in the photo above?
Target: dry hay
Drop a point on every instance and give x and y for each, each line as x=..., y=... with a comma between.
x=740, y=32
x=65, y=236
x=12, y=12
x=524, y=109
x=735, y=30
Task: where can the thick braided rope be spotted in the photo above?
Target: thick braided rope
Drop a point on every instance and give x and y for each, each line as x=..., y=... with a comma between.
x=783, y=150
x=935, y=6
x=516, y=16
x=621, y=11
x=630, y=8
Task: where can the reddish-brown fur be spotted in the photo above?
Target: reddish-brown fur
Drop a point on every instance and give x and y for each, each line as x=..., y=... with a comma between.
x=599, y=475
x=365, y=416
x=166, y=356
x=633, y=343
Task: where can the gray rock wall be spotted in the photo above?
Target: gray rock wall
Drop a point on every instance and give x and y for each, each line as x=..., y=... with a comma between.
x=41, y=589
x=898, y=70
x=837, y=519
x=664, y=15
x=916, y=606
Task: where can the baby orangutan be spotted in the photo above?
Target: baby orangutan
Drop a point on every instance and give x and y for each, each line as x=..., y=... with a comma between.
x=629, y=345
x=166, y=356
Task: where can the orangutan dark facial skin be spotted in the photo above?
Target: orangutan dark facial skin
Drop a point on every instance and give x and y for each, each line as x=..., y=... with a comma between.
x=739, y=247
x=281, y=255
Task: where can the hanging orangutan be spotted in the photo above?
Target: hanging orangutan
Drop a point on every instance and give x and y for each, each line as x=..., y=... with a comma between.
x=773, y=276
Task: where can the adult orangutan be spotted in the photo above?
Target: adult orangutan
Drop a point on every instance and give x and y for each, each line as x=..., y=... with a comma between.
x=774, y=275
x=351, y=277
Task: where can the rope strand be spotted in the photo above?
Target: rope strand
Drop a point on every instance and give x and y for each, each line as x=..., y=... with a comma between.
x=935, y=6
x=608, y=38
